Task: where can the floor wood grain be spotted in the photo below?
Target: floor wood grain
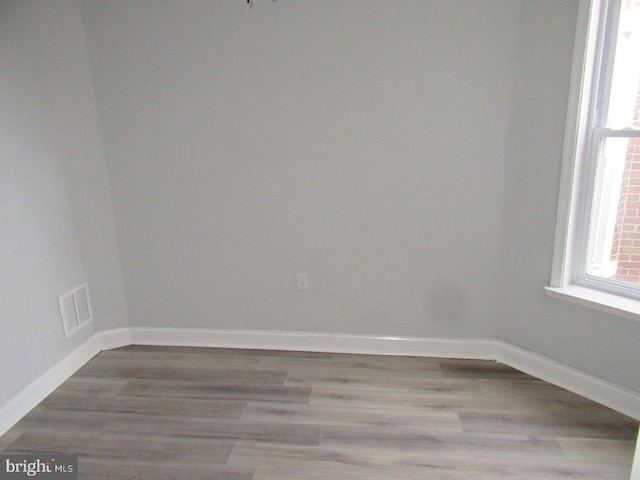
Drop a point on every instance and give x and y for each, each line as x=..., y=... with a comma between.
x=198, y=413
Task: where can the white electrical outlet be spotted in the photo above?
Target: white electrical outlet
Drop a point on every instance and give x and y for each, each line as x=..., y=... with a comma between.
x=303, y=281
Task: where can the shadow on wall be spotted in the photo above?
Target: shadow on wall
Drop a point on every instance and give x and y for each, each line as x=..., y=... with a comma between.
x=447, y=303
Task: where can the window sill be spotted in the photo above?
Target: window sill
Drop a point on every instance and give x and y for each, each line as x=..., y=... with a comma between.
x=597, y=300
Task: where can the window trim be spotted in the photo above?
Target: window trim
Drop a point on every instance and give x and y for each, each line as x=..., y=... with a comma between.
x=565, y=282
x=582, y=250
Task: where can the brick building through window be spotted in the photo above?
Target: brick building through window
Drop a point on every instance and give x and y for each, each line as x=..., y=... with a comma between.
x=626, y=240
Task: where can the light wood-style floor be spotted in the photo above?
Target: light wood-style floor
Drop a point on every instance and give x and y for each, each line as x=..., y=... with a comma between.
x=198, y=413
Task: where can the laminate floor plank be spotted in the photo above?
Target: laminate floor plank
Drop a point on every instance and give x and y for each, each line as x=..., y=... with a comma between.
x=130, y=447
x=173, y=358
x=529, y=390
x=506, y=468
x=273, y=463
x=355, y=363
x=353, y=377
x=441, y=397
x=597, y=450
x=96, y=469
x=533, y=423
x=10, y=436
x=215, y=391
x=367, y=459
x=479, y=369
x=64, y=420
x=335, y=415
x=172, y=406
x=145, y=412
x=93, y=385
x=411, y=439
x=213, y=428
x=316, y=463
x=206, y=376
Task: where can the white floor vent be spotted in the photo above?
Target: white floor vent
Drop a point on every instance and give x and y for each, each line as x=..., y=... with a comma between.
x=75, y=309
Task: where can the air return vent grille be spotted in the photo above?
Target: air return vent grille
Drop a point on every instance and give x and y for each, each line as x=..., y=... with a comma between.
x=75, y=309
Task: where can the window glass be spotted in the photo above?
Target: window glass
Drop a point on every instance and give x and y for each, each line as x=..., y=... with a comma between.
x=613, y=247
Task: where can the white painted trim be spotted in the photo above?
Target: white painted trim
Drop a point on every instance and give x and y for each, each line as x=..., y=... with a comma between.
x=611, y=303
x=586, y=385
x=589, y=386
x=635, y=468
x=114, y=338
x=40, y=388
x=574, y=145
x=316, y=342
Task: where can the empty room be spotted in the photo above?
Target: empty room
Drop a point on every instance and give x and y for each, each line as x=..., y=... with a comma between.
x=304, y=239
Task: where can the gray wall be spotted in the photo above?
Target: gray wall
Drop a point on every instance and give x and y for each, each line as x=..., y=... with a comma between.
x=593, y=342
x=56, y=217
x=363, y=143
x=405, y=155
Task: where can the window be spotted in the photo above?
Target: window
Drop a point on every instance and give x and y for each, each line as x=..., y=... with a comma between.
x=597, y=257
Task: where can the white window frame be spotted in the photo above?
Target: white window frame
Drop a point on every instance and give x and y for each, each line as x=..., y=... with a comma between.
x=576, y=180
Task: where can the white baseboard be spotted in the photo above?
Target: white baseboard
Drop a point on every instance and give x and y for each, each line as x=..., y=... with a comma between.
x=39, y=389
x=586, y=385
x=115, y=338
x=589, y=386
x=316, y=342
x=635, y=467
